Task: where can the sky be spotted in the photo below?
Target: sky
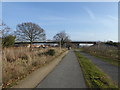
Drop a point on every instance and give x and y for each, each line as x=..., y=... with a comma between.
x=82, y=21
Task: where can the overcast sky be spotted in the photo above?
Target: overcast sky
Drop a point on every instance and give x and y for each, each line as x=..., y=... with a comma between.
x=91, y=21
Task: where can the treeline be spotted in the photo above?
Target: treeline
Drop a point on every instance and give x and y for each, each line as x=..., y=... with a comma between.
x=8, y=38
x=29, y=32
x=112, y=43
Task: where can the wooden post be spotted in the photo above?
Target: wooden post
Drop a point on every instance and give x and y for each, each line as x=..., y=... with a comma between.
x=60, y=45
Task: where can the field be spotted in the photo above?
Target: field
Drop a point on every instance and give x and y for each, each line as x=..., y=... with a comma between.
x=19, y=62
x=106, y=52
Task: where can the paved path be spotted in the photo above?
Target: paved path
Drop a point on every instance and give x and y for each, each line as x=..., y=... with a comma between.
x=110, y=70
x=67, y=74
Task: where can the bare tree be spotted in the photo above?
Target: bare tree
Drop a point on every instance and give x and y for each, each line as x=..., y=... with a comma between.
x=4, y=30
x=62, y=37
x=7, y=39
x=29, y=32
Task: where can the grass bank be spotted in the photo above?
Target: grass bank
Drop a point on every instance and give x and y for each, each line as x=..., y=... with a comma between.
x=107, y=59
x=94, y=77
x=106, y=53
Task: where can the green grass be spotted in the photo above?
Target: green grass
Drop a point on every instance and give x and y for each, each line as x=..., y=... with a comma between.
x=109, y=60
x=94, y=77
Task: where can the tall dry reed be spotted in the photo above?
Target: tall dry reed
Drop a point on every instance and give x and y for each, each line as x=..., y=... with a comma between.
x=20, y=61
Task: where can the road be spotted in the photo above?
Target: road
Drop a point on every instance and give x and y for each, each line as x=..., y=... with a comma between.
x=110, y=70
x=67, y=74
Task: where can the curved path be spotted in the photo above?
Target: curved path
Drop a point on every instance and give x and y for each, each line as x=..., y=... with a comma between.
x=67, y=74
x=110, y=70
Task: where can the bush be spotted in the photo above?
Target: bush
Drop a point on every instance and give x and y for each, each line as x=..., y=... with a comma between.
x=8, y=41
x=24, y=57
x=51, y=52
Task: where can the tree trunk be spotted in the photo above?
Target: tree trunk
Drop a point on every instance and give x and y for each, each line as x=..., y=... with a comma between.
x=31, y=45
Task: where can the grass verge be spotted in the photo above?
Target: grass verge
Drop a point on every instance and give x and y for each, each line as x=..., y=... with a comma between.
x=108, y=60
x=111, y=60
x=103, y=58
x=94, y=77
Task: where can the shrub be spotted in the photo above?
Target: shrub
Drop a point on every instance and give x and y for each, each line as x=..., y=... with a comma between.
x=8, y=41
x=34, y=63
x=51, y=52
x=41, y=53
x=24, y=57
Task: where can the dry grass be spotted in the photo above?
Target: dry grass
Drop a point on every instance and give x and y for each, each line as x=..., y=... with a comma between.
x=106, y=52
x=103, y=50
x=18, y=62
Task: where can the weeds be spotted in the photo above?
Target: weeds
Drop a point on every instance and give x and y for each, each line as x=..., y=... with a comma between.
x=20, y=61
